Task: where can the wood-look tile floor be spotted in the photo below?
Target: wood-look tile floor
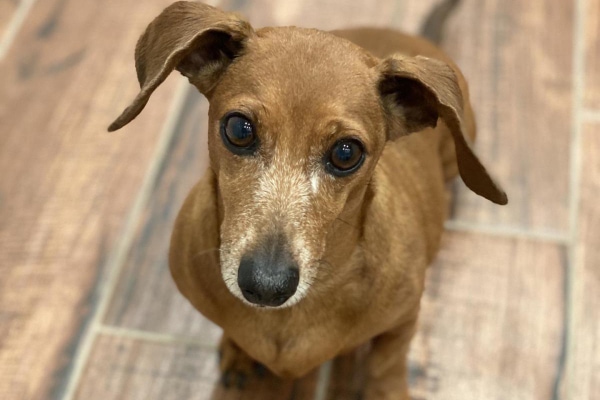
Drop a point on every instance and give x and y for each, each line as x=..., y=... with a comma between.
x=87, y=306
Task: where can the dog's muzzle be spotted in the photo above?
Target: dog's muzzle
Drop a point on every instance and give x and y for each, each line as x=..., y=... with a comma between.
x=268, y=275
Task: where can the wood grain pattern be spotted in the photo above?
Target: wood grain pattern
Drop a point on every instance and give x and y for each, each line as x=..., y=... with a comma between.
x=146, y=297
x=128, y=369
x=582, y=380
x=517, y=59
x=66, y=184
x=121, y=368
x=332, y=14
x=592, y=55
x=492, y=320
x=491, y=323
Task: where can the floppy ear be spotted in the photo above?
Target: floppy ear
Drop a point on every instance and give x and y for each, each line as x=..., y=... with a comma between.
x=415, y=92
x=198, y=40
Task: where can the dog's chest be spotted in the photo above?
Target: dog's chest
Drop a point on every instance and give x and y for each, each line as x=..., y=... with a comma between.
x=297, y=340
x=293, y=348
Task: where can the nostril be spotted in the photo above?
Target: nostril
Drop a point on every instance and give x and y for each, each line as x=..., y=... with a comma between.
x=250, y=293
x=247, y=281
x=251, y=296
x=291, y=281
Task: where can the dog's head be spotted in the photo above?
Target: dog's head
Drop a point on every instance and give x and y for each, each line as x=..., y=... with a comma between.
x=298, y=119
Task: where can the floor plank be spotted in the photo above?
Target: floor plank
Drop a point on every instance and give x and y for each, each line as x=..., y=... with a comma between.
x=407, y=15
x=592, y=55
x=519, y=72
x=492, y=321
x=491, y=324
x=146, y=297
x=66, y=184
x=583, y=373
x=129, y=369
x=121, y=368
x=67, y=187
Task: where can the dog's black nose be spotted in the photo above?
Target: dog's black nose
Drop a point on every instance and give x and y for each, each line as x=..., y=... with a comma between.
x=268, y=276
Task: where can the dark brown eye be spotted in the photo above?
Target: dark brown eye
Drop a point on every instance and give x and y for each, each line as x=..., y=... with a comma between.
x=238, y=134
x=345, y=157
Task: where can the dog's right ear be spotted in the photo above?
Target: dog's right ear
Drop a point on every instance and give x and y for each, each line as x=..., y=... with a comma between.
x=415, y=92
x=198, y=40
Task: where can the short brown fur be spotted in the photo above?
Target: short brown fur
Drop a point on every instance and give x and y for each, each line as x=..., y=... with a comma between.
x=362, y=242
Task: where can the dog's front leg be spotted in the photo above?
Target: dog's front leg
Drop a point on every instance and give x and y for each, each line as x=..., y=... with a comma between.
x=236, y=366
x=387, y=370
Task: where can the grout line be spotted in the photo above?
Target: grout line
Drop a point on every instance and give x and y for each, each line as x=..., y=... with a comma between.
x=323, y=380
x=147, y=336
x=590, y=115
x=563, y=385
x=508, y=232
x=117, y=257
x=10, y=33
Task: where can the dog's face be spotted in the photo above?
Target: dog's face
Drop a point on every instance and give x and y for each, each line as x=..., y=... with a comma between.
x=296, y=128
x=298, y=119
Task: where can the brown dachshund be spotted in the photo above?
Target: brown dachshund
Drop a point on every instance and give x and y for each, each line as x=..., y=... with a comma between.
x=324, y=203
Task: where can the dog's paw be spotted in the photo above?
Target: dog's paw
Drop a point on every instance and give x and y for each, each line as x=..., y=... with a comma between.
x=236, y=366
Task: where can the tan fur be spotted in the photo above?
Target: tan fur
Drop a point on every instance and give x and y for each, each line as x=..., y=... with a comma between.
x=362, y=242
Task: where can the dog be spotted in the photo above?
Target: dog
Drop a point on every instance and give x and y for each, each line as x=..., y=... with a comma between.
x=325, y=199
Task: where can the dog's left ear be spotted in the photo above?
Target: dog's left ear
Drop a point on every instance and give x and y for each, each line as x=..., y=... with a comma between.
x=415, y=92
x=196, y=39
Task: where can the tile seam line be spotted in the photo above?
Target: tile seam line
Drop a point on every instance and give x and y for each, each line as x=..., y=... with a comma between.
x=590, y=115
x=563, y=384
x=14, y=26
x=153, y=337
x=517, y=233
x=122, y=246
x=323, y=380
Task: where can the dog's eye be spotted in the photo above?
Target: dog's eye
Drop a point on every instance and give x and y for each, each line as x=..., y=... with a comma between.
x=345, y=157
x=238, y=134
